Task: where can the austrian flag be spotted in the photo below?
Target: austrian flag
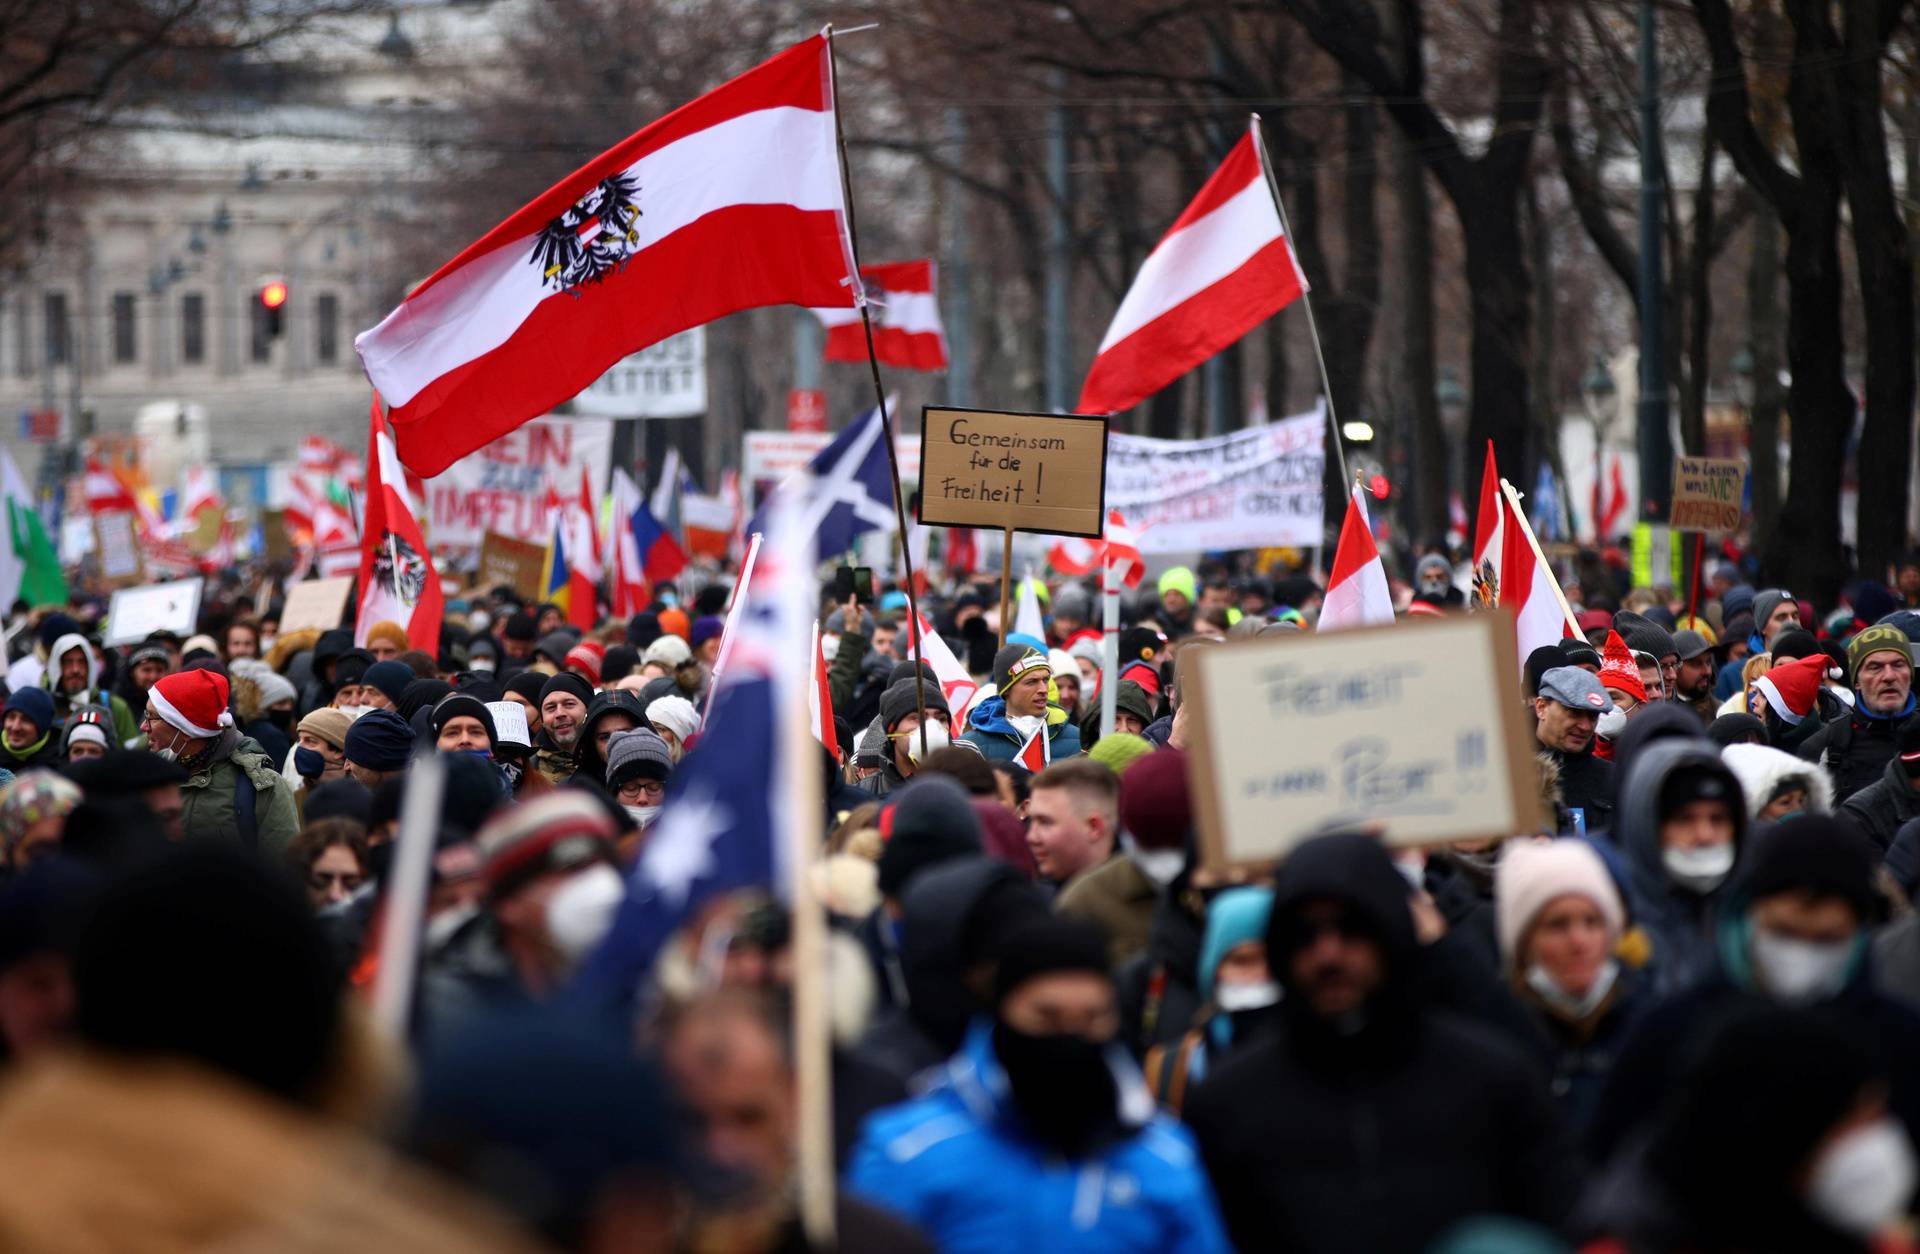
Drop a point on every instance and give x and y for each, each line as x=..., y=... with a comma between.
x=729, y=202
x=905, y=307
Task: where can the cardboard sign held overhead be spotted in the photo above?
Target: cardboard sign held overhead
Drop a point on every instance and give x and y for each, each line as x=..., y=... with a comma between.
x=318, y=603
x=1708, y=493
x=515, y=563
x=1024, y=472
x=118, y=544
x=1418, y=727
x=136, y=613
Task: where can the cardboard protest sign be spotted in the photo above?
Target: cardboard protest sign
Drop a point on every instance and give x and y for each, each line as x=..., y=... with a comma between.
x=136, y=613
x=1708, y=493
x=1022, y=472
x=118, y=545
x=1249, y=489
x=1416, y=726
x=273, y=529
x=503, y=487
x=318, y=603
x=515, y=563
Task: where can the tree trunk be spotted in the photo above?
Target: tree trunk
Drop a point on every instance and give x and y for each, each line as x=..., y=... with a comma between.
x=1500, y=282
x=1429, y=478
x=1885, y=264
x=1352, y=313
x=1806, y=547
x=1699, y=270
x=1763, y=344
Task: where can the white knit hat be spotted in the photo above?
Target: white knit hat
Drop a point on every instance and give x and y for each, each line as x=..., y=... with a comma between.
x=669, y=651
x=676, y=714
x=1531, y=874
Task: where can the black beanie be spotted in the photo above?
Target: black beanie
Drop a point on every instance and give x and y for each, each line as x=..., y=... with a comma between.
x=457, y=704
x=1817, y=853
x=1643, y=635
x=642, y=630
x=1737, y=729
x=566, y=681
x=1792, y=643
x=521, y=626
x=1010, y=657
x=1045, y=946
x=1699, y=783
x=209, y=955
x=904, y=670
x=1137, y=644
x=927, y=821
x=901, y=699
x=1547, y=657
x=527, y=685
x=1009, y=901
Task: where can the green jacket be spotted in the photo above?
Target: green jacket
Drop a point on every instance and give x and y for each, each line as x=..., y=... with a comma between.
x=209, y=795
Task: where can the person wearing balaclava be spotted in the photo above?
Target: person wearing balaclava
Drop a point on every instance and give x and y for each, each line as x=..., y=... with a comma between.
x=1040, y=1110
x=1465, y=1127
x=552, y=887
x=1681, y=824
x=1433, y=584
x=1794, y=930
x=1776, y=1137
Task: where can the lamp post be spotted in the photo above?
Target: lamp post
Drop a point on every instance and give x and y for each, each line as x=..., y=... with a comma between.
x=1597, y=391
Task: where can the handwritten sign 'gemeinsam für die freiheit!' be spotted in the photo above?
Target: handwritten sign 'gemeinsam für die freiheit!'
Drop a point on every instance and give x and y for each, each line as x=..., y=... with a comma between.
x=1025, y=472
x=1417, y=727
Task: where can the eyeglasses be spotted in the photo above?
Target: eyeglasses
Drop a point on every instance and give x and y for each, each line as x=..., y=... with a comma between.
x=650, y=789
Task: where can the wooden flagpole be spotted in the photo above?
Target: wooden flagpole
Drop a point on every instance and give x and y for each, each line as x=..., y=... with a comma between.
x=879, y=397
x=1526, y=529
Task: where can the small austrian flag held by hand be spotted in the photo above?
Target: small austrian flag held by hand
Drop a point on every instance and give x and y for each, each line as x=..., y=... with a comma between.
x=905, y=307
x=730, y=202
x=1037, y=752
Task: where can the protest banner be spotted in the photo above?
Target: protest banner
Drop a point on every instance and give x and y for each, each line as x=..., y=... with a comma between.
x=1254, y=488
x=503, y=487
x=318, y=603
x=1418, y=727
x=136, y=613
x=273, y=530
x=767, y=457
x=515, y=563
x=118, y=544
x=1044, y=473
x=665, y=380
x=1708, y=494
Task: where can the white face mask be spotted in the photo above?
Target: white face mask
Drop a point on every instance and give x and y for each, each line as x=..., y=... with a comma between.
x=481, y=666
x=1611, y=724
x=1862, y=1182
x=1412, y=866
x=1234, y=998
x=1566, y=1003
x=266, y=644
x=1800, y=972
x=581, y=910
x=355, y=711
x=643, y=815
x=936, y=739
x=1162, y=866
x=1700, y=869
x=829, y=647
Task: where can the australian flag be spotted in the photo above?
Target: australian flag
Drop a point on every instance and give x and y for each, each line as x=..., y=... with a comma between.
x=852, y=489
x=725, y=822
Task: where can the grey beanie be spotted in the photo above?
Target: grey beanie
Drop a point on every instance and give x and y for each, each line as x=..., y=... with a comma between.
x=1073, y=602
x=639, y=753
x=870, y=750
x=1765, y=603
x=1643, y=635
x=902, y=699
x=274, y=688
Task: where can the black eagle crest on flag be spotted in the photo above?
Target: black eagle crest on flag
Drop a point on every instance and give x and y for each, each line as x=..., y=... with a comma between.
x=592, y=239
x=1486, y=586
x=411, y=580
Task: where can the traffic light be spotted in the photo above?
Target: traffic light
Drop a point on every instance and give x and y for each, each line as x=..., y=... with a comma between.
x=273, y=303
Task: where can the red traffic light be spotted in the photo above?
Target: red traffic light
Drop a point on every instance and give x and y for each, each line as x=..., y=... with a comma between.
x=273, y=294
x=1380, y=487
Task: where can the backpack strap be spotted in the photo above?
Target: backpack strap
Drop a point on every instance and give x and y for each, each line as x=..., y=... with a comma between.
x=246, y=809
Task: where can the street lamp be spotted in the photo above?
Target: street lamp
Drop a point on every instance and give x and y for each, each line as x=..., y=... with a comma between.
x=1597, y=390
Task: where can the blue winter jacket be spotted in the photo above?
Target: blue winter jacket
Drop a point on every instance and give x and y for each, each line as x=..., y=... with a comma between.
x=959, y=1165
x=998, y=740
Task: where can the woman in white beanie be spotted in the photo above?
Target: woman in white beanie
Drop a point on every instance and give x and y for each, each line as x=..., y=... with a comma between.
x=676, y=721
x=1560, y=918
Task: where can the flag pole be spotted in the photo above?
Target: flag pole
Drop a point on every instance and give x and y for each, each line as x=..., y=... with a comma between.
x=1553, y=581
x=879, y=397
x=1306, y=295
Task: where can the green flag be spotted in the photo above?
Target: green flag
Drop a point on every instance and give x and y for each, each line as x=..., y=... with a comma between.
x=30, y=566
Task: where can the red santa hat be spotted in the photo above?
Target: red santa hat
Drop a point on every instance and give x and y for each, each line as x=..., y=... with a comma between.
x=1618, y=670
x=1792, y=687
x=194, y=702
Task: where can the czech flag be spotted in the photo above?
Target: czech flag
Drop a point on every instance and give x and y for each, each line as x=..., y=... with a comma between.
x=660, y=555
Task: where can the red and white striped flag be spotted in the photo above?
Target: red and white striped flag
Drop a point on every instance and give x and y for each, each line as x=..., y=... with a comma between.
x=1357, y=594
x=905, y=299
x=1527, y=585
x=1076, y=556
x=1489, y=536
x=583, y=558
x=397, y=580
x=820, y=700
x=956, y=685
x=1037, y=752
x=106, y=494
x=962, y=552
x=1223, y=268
x=730, y=202
x=626, y=566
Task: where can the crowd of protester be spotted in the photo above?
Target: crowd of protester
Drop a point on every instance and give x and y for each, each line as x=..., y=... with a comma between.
x=1683, y=1015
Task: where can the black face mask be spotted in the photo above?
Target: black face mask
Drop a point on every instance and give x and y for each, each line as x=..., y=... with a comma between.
x=283, y=719
x=1061, y=1084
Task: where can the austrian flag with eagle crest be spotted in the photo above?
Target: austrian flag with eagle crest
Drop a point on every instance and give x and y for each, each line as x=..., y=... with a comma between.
x=591, y=239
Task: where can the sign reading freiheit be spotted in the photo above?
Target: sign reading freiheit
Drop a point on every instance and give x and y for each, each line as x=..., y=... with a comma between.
x=1416, y=727
x=1708, y=493
x=1026, y=472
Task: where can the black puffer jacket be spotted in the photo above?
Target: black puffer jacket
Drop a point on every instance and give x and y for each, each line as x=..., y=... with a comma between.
x=1855, y=747
x=1384, y=1135
x=1883, y=807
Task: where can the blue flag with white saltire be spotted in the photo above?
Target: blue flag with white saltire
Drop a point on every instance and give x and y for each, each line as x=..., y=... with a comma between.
x=851, y=492
x=726, y=822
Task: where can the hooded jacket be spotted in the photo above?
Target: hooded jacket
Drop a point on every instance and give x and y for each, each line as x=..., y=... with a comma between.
x=1383, y=1134
x=1763, y=769
x=1856, y=744
x=1884, y=806
x=989, y=731
x=212, y=808
x=125, y=729
x=960, y=1165
x=1678, y=922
